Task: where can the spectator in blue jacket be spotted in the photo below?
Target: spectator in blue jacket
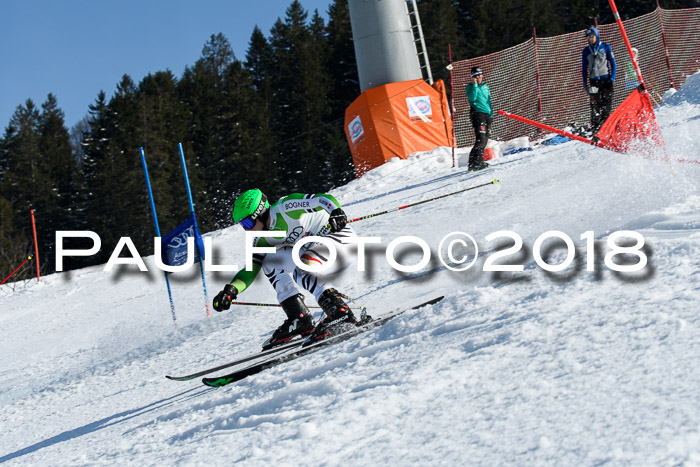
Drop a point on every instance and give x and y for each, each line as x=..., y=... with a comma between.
x=598, y=68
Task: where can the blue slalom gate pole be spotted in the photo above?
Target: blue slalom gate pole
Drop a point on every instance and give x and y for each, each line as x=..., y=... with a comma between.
x=155, y=221
x=194, y=218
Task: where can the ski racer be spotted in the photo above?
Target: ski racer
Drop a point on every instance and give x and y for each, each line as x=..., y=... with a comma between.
x=298, y=216
x=598, y=68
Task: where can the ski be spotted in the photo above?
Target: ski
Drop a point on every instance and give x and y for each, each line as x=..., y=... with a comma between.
x=307, y=348
x=255, y=356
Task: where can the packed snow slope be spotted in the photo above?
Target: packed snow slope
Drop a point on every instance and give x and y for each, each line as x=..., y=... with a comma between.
x=576, y=367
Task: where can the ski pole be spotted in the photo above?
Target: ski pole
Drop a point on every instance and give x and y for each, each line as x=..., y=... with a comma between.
x=421, y=202
x=277, y=304
x=17, y=269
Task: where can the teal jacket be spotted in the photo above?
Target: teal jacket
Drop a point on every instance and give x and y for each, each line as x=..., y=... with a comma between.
x=480, y=98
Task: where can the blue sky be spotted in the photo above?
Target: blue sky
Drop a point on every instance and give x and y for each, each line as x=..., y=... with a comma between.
x=75, y=48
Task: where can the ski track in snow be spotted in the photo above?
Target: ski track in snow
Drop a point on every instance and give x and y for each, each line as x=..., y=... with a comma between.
x=570, y=368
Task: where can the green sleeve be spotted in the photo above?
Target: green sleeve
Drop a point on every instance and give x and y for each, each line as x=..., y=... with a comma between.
x=471, y=92
x=244, y=278
x=489, y=102
x=330, y=198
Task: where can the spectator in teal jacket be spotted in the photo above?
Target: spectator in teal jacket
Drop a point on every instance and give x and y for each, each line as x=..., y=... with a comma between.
x=481, y=114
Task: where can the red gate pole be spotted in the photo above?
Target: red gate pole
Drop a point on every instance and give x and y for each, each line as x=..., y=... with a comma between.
x=663, y=39
x=616, y=15
x=452, y=103
x=36, y=249
x=537, y=70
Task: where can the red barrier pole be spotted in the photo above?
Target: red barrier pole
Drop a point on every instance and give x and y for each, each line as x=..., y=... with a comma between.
x=616, y=15
x=663, y=39
x=16, y=269
x=36, y=249
x=537, y=69
x=547, y=127
x=452, y=104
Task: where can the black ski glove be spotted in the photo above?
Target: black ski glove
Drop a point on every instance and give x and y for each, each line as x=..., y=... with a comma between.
x=338, y=220
x=223, y=299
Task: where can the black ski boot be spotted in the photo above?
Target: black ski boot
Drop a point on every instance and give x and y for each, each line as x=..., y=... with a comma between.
x=476, y=166
x=335, y=308
x=298, y=322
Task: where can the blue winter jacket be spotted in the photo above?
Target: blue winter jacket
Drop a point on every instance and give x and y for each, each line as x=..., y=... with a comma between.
x=598, y=61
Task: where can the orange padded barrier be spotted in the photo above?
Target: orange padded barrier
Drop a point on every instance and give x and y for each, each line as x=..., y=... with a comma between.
x=397, y=120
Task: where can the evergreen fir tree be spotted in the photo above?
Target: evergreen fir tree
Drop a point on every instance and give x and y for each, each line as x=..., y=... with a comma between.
x=39, y=173
x=22, y=161
x=63, y=177
x=335, y=158
x=469, y=18
x=301, y=110
x=440, y=24
x=258, y=62
x=4, y=157
x=202, y=89
x=249, y=157
x=162, y=123
x=25, y=184
x=578, y=15
x=77, y=134
x=678, y=4
x=247, y=132
x=14, y=245
x=341, y=67
x=217, y=54
x=95, y=142
x=341, y=63
x=118, y=205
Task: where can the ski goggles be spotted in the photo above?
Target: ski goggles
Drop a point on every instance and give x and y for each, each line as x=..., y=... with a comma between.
x=248, y=223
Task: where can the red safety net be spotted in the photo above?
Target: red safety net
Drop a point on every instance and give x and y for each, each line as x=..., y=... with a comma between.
x=541, y=78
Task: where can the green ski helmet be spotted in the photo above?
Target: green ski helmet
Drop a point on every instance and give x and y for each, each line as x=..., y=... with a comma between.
x=248, y=207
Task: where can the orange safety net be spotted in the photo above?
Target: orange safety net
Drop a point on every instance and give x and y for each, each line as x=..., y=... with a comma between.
x=541, y=78
x=397, y=120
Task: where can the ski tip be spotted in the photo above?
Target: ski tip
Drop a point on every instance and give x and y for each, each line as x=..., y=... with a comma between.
x=179, y=378
x=429, y=302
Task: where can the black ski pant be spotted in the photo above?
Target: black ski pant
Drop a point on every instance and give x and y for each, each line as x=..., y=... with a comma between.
x=482, y=126
x=601, y=102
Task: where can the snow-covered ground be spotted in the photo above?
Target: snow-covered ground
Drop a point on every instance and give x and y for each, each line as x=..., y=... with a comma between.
x=518, y=368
